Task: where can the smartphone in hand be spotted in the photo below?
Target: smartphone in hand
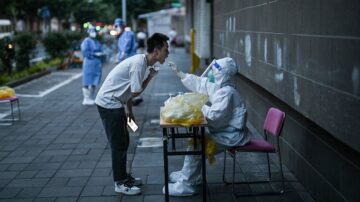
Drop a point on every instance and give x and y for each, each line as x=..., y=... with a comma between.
x=132, y=124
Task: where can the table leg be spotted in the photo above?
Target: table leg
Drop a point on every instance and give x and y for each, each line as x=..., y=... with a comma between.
x=172, y=130
x=203, y=162
x=12, y=112
x=196, y=135
x=166, y=171
x=18, y=105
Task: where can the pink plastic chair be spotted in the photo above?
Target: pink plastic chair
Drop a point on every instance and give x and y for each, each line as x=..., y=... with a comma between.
x=273, y=125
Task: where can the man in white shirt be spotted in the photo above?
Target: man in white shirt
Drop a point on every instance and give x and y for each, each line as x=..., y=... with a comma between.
x=114, y=103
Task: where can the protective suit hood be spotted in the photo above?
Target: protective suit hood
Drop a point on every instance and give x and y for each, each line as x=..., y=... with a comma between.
x=223, y=69
x=119, y=22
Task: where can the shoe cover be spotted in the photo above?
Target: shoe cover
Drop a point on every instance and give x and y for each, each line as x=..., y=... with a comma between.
x=177, y=176
x=191, y=169
x=180, y=189
x=87, y=100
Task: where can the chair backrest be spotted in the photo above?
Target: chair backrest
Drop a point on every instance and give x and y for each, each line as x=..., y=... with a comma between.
x=274, y=121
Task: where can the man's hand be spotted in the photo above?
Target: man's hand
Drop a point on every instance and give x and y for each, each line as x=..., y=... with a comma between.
x=153, y=72
x=130, y=115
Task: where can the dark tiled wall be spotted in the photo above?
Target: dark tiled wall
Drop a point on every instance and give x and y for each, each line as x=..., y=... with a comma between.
x=303, y=56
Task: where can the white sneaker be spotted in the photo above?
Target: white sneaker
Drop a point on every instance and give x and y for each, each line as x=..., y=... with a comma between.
x=136, y=181
x=127, y=189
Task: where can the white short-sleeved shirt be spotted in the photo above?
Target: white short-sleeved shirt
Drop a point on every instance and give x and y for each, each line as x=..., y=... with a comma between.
x=126, y=78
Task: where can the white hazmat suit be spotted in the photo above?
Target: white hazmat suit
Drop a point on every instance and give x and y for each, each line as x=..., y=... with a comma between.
x=226, y=117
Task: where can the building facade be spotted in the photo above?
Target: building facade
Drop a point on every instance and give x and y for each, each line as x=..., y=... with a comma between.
x=302, y=56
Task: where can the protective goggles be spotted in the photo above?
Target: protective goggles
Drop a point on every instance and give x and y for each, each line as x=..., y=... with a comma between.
x=216, y=65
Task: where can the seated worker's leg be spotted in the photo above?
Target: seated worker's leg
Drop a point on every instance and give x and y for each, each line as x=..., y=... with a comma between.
x=184, y=181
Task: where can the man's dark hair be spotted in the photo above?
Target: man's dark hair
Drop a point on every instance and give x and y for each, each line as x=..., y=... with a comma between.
x=157, y=40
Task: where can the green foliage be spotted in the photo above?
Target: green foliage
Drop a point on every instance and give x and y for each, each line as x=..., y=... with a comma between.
x=25, y=45
x=73, y=38
x=38, y=67
x=57, y=44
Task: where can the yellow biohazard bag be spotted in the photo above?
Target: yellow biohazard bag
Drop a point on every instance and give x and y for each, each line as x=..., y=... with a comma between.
x=210, y=148
x=184, y=109
x=6, y=92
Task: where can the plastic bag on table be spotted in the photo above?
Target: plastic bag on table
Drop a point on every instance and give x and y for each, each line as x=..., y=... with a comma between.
x=6, y=92
x=184, y=109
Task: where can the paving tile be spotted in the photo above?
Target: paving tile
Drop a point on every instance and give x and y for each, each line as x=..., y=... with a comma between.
x=43, y=166
x=57, y=182
x=138, y=198
x=29, y=192
x=70, y=164
x=17, y=200
x=47, y=199
x=92, y=191
x=27, y=174
x=101, y=181
x=8, y=174
x=66, y=199
x=73, y=173
x=36, y=182
x=45, y=173
x=77, y=181
x=87, y=164
x=102, y=172
x=9, y=192
x=60, y=191
x=103, y=199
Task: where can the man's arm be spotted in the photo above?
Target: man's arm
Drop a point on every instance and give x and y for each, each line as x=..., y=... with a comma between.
x=143, y=86
x=129, y=113
x=151, y=75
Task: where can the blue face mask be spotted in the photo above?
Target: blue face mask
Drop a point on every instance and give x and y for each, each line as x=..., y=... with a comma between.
x=211, y=77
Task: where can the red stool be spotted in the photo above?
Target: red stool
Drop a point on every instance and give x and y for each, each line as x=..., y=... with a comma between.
x=11, y=100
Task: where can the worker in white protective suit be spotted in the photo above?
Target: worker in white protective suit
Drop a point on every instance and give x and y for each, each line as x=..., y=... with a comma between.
x=226, y=117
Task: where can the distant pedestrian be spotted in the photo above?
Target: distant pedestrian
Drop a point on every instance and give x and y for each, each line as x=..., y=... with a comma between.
x=141, y=38
x=114, y=102
x=126, y=40
x=172, y=35
x=92, y=66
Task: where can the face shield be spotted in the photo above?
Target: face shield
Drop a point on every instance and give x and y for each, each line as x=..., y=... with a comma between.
x=223, y=69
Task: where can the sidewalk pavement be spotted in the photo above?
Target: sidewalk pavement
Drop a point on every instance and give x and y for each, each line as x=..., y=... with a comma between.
x=59, y=152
